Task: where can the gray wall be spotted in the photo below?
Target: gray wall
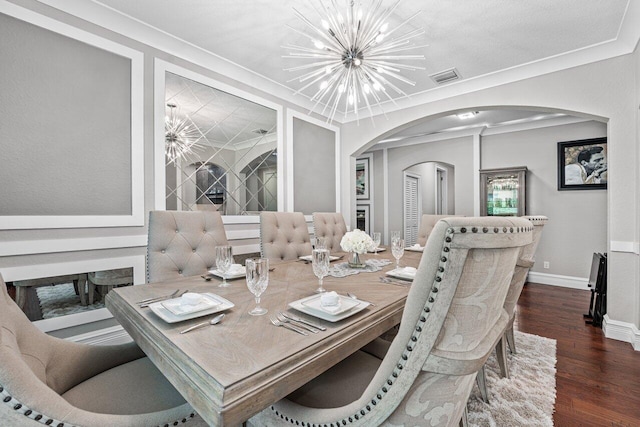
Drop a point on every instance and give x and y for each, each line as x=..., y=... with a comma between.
x=314, y=168
x=427, y=172
x=577, y=224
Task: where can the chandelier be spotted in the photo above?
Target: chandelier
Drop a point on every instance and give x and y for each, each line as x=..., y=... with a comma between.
x=354, y=56
x=180, y=138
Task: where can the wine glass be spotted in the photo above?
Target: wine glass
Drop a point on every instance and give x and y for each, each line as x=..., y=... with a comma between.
x=257, y=281
x=320, y=262
x=376, y=236
x=395, y=235
x=397, y=249
x=224, y=258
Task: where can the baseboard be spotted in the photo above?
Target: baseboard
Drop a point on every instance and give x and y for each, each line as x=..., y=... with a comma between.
x=558, y=280
x=621, y=331
x=106, y=336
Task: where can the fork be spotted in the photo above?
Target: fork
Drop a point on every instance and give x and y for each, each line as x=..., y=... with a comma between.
x=276, y=322
x=283, y=319
x=148, y=300
x=147, y=304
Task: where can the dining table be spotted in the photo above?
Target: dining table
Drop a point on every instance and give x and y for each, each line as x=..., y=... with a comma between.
x=232, y=370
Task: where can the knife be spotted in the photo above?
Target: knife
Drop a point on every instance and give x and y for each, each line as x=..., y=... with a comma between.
x=297, y=319
x=147, y=304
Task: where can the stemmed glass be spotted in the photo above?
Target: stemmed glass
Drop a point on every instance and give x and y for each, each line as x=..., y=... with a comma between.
x=376, y=236
x=257, y=281
x=397, y=249
x=224, y=258
x=320, y=262
x=395, y=235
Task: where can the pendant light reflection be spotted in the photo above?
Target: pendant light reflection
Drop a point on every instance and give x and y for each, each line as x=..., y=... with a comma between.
x=180, y=137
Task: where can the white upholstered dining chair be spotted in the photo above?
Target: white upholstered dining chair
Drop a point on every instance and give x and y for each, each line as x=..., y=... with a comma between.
x=331, y=227
x=427, y=222
x=183, y=243
x=284, y=235
x=424, y=377
x=49, y=381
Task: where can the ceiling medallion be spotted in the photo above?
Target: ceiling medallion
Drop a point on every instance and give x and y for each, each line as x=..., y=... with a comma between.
x=354, y=58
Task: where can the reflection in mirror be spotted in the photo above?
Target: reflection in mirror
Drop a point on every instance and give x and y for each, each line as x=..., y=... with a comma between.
x=49, y=297
x=221, y=150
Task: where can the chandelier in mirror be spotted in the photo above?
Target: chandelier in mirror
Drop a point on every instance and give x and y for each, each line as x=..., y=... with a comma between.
x=353, y=56
x=180, y=135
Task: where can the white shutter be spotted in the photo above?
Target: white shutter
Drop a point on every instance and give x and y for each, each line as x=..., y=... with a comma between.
x=411, y=208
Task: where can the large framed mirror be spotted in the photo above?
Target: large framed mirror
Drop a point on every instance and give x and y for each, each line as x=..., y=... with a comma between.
x=218, y=147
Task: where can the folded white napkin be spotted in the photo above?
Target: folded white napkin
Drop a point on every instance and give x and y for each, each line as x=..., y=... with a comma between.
x=407, y=271
x=417, y=246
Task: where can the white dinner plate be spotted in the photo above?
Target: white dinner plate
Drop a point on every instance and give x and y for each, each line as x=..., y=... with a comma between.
x=161, y=311
x=402, y=273
x=301, y=305
x=309, y=259
x=234, y=274
x=414, y=248
x=378, y=250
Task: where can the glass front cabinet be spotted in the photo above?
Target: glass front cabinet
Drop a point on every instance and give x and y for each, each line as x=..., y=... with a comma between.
x=503, y=192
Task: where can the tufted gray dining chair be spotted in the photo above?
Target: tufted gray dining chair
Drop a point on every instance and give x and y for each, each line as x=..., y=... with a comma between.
x=284, y=235
x=330, y=226
x=452, y=309
x=427, y=222
x=182, y=243
x=49, y=381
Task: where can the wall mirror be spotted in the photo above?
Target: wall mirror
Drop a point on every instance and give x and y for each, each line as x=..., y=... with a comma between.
x=221, y=150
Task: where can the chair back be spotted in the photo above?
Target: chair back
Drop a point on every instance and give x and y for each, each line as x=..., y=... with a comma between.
x=284, y=235
x=183, y=243
x=427, y=222
x=330, y=226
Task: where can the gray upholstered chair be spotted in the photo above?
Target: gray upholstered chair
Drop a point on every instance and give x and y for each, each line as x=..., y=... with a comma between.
x=182, y=243
x=427, y=222
x=284, y=235
x=330, y=226
x=426, y=374
x=49, y=381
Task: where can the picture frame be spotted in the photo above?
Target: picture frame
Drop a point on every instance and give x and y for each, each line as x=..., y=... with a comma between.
x=582, y=164
x=363, y=179
x=363, y=218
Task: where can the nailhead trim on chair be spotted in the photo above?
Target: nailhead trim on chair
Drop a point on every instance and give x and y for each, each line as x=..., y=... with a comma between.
x=42, y=419
x=418, y=329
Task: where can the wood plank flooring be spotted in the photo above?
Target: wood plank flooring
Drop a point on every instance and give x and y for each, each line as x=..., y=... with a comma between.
x=597, y=379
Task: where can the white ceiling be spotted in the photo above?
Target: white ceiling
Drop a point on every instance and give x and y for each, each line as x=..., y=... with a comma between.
x=478, y=37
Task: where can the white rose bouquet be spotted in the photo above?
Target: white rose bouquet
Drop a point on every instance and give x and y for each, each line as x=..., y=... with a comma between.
x=357, y=241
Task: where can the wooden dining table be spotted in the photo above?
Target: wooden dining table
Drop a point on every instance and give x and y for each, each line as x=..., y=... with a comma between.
x=233, y=370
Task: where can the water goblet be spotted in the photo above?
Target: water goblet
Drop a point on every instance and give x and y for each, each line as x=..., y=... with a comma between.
x=397, y=249
x=376, y=237
x=395, y=235
x=257, y=273
x=224, y=258
x=320, y=262
x=320, y=243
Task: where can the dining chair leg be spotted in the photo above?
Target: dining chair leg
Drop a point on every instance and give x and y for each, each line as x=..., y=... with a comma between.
x=481, y=381
x=501, y=356
x=464, y=421
x=511, y=339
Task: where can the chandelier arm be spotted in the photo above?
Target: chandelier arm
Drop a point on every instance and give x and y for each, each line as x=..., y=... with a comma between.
x=374, y=29
x=327, y=50
x=314, y=28
x=400, y=49
x=385, y=82
x=372, y=41
x=321, y=64
x=394, y=43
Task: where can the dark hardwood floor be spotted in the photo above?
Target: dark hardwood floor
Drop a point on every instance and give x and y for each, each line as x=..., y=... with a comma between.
x=597, y=379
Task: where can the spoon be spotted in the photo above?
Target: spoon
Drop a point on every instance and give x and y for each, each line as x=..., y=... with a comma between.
x=352, y=296
x=213, y=321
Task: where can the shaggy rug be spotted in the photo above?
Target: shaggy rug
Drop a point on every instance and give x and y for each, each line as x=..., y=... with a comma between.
x=60, y=300
x=526, y=398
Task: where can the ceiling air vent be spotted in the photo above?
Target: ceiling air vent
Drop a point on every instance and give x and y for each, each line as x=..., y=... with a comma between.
x=260, y=131
x=445, y=76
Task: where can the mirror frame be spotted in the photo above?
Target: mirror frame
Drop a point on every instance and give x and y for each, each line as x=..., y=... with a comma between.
x=160, y=69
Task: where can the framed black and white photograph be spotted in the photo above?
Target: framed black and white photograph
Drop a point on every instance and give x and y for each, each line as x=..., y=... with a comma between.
x=582, y=164
x=362, y=179
x=362, y=218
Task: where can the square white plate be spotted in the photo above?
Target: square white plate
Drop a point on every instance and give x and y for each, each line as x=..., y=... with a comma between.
x=159, y=310
x=234, y=274
x=177, y=306
x=301, y=306
x=414, y=248
x=309, y=259
x=401, y=273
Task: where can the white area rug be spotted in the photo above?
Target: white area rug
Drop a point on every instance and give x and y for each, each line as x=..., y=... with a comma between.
x=60, y=300
x=526, y=398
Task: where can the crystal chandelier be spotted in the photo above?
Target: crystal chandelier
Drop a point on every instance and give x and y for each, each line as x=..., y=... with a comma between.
x=353, y=56
x=180, y=138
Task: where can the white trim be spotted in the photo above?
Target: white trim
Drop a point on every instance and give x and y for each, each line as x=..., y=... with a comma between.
x=372, y=191
x=621, y=331
x=291, y=114
x=106, y=336
x=26, y=272
x=385, y=193
x=558, y=280
x=137, y=132
x=160, y=68
x=628, y=247
x=30, y=247
x=477, y=155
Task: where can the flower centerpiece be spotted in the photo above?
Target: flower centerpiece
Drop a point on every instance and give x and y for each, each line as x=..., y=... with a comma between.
x=356, y=242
